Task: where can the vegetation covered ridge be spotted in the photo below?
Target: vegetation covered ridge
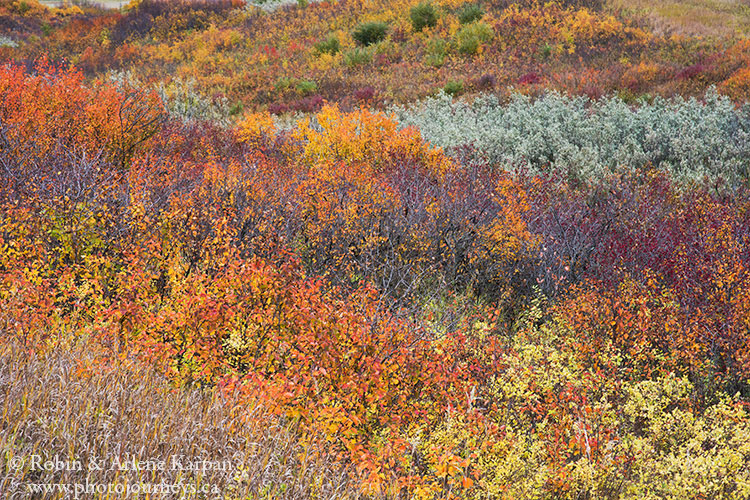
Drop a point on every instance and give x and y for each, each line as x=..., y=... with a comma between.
x=360, y=52
x=423, y=324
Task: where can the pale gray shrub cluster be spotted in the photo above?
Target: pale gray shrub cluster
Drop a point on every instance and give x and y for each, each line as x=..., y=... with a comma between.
x=181, y=99
x=6, y=41
x=586, y=139
x=185, y=103
x=270, y=5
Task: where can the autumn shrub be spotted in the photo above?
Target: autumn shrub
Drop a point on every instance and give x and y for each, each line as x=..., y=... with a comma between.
x=737, y=85
x=42, y=112
x=529, y=79
x=546, y=424
x=135, y=24
x=309, y=104
x=486, y=81
x=28, y=8
x=632, y=264
x=395, y=184
x=365, y=94
x=254, y=126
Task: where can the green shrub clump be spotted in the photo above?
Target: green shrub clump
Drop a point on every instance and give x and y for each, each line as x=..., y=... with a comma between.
x=423, y=16
x=367, y=34
x=470, y=13
x=546, y=51
x=330, y=45
x=454, y=88
x=471, y=36
x=306, y=87
x=437, y=50
x=357, y=57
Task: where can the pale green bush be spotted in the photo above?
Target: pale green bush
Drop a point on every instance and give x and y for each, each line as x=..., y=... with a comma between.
x=181, y=100
x=271, y=5
x=587, y=139
x=185, y=103
x=6, y=41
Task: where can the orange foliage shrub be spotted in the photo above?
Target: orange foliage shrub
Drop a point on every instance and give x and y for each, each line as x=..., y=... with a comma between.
x=255, y=126
x=666, y=289
x=363, y=138
x=331, y=274
x=738, y=85
x=52, y=110
x=184, y=256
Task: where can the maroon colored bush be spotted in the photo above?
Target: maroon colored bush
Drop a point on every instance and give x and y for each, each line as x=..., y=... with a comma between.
x=529, y=79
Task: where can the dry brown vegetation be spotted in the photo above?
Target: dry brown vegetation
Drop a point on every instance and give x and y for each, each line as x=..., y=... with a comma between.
x=58, y=405
x=714, y=18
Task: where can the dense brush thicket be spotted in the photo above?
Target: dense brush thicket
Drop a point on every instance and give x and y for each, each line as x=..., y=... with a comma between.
x=233, y=230
x=436, y=326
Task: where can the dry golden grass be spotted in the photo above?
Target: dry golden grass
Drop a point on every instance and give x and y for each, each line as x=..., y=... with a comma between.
x=53, y=406
x=708, y=18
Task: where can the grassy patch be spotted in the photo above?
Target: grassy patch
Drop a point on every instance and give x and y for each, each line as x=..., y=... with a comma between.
x=692, y=17
x=64, y=407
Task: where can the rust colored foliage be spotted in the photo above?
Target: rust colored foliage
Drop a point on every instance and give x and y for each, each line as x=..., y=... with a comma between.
x=182, y=252
x=660, y=272
x=50, y=114
x=439, y=325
